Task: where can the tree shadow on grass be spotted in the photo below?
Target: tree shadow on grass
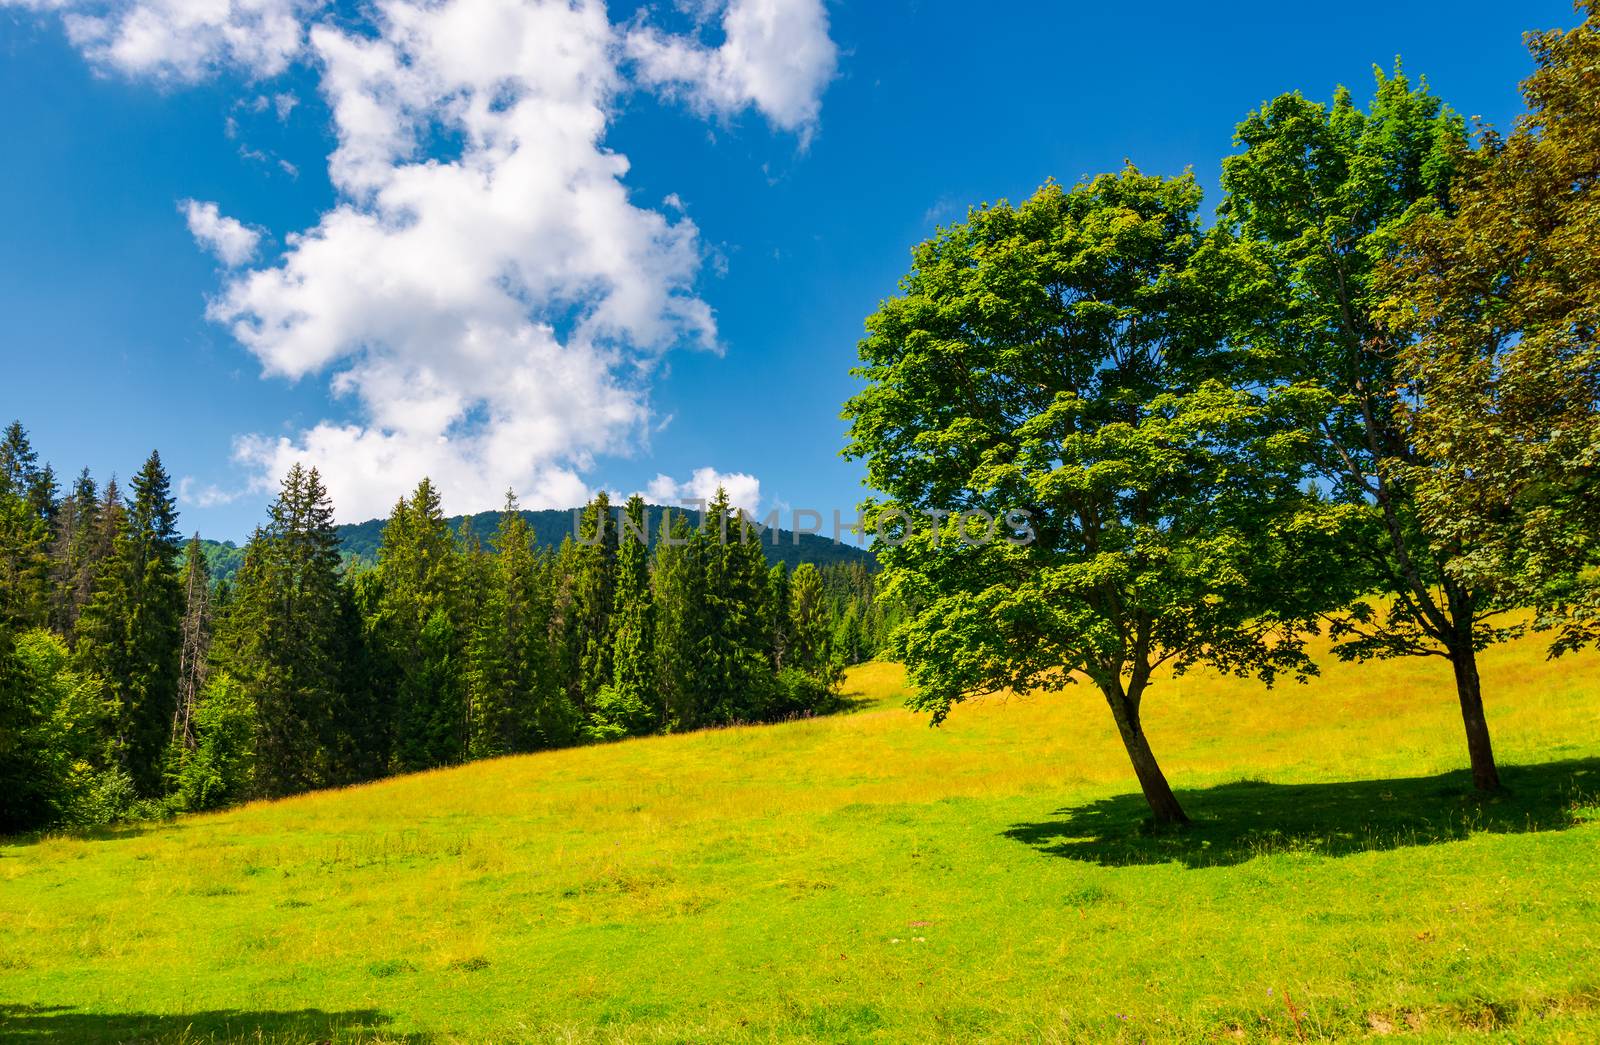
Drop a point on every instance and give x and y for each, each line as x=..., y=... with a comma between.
x=1237, y=822
x=64, y=1023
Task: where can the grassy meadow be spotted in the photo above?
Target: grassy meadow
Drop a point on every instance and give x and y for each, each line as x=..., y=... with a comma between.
x=865, y=878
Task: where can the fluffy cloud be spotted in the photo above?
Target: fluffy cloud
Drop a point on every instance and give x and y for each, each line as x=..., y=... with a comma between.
x=776, y=55
x=743, y=489
x=232, y=242
x=185, y=40
x=494, y=315
x=483, y=291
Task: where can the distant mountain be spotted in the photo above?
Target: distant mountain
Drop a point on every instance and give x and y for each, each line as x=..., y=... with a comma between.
x=359, y=541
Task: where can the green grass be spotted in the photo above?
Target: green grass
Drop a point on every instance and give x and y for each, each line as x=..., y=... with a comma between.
x=865, y=878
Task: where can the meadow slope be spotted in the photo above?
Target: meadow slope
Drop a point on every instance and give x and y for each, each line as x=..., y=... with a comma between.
x=865, y=878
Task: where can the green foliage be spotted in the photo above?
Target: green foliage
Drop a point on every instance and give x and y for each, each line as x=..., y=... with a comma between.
x=26, y=509
x=593, y=597
x=1052, y=358
x=515, y=700
x=625, y=707
x=1499, y=299
x=420, y=609
x=51, y=717
x=221, y=767
x=129, y=633
x=283, y=640
x=1317, y=203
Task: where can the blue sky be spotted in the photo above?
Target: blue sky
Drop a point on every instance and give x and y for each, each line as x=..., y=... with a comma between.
x=553, y=320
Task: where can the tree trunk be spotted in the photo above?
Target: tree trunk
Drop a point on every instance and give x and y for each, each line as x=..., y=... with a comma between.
x=1485, y=776
x=1157, y=792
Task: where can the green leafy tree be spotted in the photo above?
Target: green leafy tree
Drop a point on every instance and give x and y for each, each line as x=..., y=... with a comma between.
x=51, y=717
x=220, y=768
x=1499, y=301
x=130, y=632
x=1316, y=203
x=1043, y=358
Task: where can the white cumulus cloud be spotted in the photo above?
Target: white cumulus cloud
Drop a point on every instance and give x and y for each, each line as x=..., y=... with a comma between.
x=494, y=315
x=743, y=489
x=185, y=40
x=233, y=242
x=776, y=55
x=483, y=291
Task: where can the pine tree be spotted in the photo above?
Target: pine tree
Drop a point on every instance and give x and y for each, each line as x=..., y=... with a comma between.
x=593, y=600
x=509, y=671
x=130, y=633
x=776, y=621
x=284, y=630
x=193, y=658
x=420, y=606
x=808, y=621
x=72, y=554
x=628, y=705
x=26, y=507
x=736, y=676
x=677, y=580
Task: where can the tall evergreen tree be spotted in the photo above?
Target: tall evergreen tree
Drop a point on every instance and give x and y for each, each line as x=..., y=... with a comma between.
x=130, y=633
x=26, y=507
x=420, y=607
x=677, y=583
x=72, y=554
x=284, y=630
x=507, y=665
x=734, y=665
x=593, y=600
x=776, y=614
x=629, y=703
x=809, y=628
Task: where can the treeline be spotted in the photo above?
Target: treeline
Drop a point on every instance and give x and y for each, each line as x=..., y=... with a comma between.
x=132, y=684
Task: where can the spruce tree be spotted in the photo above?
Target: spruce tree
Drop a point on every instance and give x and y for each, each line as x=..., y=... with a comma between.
x=500, y=637
x=26, y=507
x=72, y=554
x=420, y=607
x=629, y=703
x=593, y=600
x=736, y=676
x=809, y=628
x=130, y=633
x=677, y=582
x=284, y=627
x=776, y=621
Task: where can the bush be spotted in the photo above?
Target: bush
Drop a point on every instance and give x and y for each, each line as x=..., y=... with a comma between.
x=796, y=693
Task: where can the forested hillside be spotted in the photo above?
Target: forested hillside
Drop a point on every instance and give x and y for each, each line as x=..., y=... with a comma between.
x=139, y=677
x=359, y=542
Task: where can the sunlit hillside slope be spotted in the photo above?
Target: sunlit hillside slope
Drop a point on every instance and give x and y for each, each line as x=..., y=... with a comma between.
x=866, y=878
